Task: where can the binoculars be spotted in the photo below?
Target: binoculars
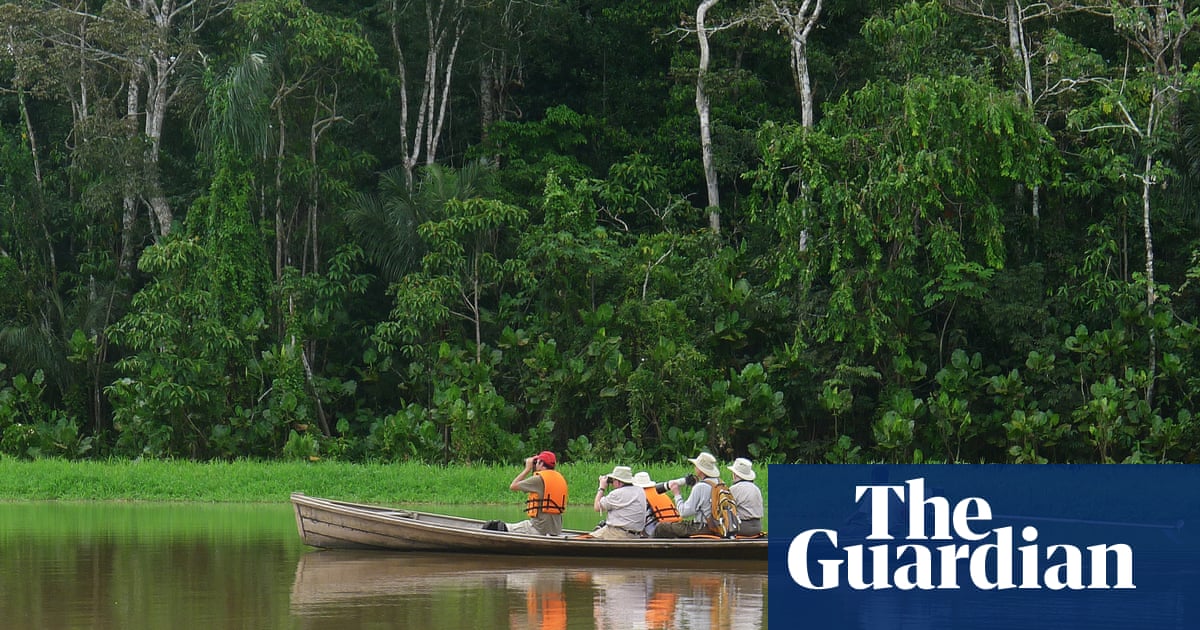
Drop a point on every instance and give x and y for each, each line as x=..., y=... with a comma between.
x=664, y=487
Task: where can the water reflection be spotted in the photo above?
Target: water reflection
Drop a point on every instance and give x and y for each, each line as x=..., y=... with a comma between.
x=467, y=591
x=118, y=566
x=113, y=566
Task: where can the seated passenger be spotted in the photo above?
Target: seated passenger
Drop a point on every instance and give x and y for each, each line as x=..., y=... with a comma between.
x=659, y=506
x=547, y=496
x=698, y=505
x=624, y=506
x=747, y=496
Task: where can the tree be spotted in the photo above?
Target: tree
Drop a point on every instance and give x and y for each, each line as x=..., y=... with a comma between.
x=463, y=266
x=385, y=223
x=703, y=110
x=175, y=378
x=907, y=180
x=1036, y=85
x=460, y=279
x=150, y=43
x=1140, y=103
x=165, y=46
x=444, y=23
x=65, y=250
x=309, y=54
x=503, y=28
x=796, y=19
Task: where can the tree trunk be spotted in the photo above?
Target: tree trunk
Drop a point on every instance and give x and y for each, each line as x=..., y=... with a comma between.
x=1151, y=290
x=798, y=22
x=703, y=111
x=280, y=233
x=488, y=113
x=419, y=140
x=1020, y=53
x=158, y=98
x=433, y=137
x=501, y=28
x=803, y=81
x=129, y=201
x=33, y=148
x=314, y=191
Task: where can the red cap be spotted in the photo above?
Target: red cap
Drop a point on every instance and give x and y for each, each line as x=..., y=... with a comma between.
x=547, y=458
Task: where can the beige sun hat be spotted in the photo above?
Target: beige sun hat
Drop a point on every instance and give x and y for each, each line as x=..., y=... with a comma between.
x=642, y=479
x=707, y=464
x=624, y=474
x=741, y=468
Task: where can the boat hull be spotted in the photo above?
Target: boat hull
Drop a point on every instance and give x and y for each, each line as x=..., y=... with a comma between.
x=340, y=525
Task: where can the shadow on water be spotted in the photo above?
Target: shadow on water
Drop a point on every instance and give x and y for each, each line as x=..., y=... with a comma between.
x=419, y=590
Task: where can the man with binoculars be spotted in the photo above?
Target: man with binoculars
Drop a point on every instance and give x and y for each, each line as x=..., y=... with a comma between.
x=624, y=505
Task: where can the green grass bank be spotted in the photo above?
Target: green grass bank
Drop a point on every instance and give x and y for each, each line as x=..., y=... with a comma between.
x=272, y=482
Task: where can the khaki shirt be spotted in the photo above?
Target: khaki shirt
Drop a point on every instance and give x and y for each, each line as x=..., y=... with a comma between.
x=545, y=524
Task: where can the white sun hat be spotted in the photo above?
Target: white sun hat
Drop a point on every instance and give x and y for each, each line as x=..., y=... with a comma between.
x=707, y=464
x=742, y=469
x=642, y=479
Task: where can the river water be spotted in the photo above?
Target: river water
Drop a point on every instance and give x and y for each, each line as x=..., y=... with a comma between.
x=182, y=566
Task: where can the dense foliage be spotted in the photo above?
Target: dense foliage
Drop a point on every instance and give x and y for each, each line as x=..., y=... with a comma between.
x=466, y=230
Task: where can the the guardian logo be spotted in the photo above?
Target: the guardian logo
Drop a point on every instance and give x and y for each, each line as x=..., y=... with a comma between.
x=948, y=547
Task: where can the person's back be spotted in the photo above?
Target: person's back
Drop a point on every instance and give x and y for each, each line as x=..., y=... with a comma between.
x=747, y=496
x=659, y=506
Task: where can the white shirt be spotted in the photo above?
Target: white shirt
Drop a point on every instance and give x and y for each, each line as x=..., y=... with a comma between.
x=748, y=498
x=625, y=507
x=698, y=504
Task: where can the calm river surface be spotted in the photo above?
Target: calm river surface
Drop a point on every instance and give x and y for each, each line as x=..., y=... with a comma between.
x=179, y=566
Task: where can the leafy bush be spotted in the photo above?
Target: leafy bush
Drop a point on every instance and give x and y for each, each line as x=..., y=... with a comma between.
x=30, y=428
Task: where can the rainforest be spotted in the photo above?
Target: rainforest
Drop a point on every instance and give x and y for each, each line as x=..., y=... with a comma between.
x=460, y=231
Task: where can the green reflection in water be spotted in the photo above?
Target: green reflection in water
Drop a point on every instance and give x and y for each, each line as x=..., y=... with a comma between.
x=118, y=565
x=144, y=520
x=183, y=566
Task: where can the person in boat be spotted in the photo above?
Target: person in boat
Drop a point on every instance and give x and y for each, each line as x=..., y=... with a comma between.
x=624, y=506
x=748, y=497
x=698, y=505
x=659, y=506
x=547, y=496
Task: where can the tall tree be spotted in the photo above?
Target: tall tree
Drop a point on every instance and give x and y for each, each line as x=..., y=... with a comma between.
x=907, y=179
x=1141, y=103
x=502, y=28
x=166, y=44
x=796, y=19
x=67, y=76
x=311, y=56
x=1028, y=37
x=464, y=266
x=704, y=111
x=444, y=25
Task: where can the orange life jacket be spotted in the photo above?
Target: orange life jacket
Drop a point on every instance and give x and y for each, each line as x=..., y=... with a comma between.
x=660, y=611
x=550, y=607
x=662, y=508
x=553, y=500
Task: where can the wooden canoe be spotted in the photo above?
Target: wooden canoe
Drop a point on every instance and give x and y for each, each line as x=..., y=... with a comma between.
x=340, y=525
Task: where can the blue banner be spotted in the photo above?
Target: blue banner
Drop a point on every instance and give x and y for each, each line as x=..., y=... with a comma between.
x=985, y=547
